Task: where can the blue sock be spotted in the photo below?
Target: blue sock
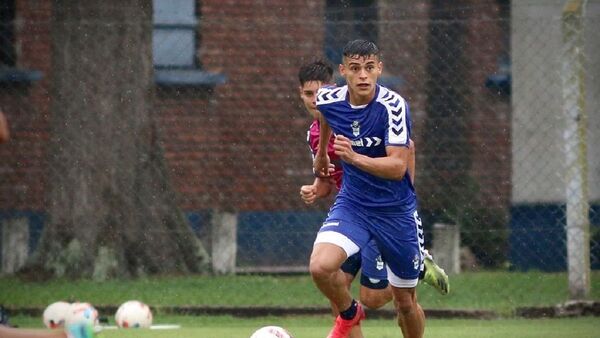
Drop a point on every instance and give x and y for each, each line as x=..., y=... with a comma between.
x=350, y=312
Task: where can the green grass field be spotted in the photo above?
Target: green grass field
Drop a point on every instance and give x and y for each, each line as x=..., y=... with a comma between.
x=502, y=292
x=318, y=326
x=498, y=291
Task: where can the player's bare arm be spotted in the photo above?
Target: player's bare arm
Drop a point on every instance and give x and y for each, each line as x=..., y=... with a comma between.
x=4, y=133
x=321, y=162
x=392, y=167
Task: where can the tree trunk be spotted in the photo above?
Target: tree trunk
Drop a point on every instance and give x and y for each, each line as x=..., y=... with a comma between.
x=112, y=210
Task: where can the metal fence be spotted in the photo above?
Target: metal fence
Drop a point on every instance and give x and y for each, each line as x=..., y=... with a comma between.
x=504, y=103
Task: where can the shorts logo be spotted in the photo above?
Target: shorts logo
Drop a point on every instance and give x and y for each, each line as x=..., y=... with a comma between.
x=416, y=262
x=379, y=263
x=331, y=224
x=355, y=128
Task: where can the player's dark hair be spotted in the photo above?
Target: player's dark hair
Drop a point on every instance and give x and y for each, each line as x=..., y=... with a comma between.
x=360, y=48
x=315, y=71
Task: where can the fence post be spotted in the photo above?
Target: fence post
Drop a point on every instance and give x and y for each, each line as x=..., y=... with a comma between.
x=15, y=244
x=446, y=247
x=576, y=176
x=224, y=242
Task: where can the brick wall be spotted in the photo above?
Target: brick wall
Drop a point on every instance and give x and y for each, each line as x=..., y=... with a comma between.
x=260, y=46
x=23, y=165
x=487, y=41
x=404, y=42
x=241, y=145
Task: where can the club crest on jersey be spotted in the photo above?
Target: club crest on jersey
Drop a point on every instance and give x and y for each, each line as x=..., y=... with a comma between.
x=355, y=128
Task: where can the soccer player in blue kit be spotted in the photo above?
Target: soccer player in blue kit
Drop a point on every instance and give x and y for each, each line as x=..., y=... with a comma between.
x=377, y=199
x=374, y=289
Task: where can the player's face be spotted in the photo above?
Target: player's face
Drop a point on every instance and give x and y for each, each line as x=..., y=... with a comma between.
x=361, y=75
x=308, y=94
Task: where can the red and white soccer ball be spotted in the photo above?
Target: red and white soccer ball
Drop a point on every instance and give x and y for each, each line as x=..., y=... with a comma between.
x=271, y=332
x=81, y=313
x=133, y=313
x=55, y=315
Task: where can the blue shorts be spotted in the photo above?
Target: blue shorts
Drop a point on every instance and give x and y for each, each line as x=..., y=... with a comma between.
x=373, y=273
x=398, y=235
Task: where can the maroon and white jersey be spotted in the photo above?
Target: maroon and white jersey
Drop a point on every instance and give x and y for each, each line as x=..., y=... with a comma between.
x=313, y=142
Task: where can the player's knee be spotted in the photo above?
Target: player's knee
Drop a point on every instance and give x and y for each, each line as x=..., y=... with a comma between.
x=375, y=298
x=319, y=268
x=405, y=304
x=372, y=302
x=368, y=302
x=325, y=260
x=405, y=309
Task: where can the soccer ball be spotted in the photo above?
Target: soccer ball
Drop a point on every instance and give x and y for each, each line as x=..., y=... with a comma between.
x=81, y=313
x=133, y=313
x=271, y=332
x=55, y=314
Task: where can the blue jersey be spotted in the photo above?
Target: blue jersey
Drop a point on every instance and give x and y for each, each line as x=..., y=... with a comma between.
x=384, y=121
